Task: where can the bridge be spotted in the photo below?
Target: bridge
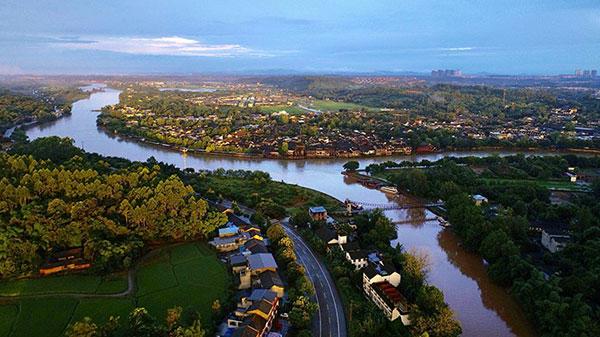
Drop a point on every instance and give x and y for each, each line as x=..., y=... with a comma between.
x=414, y=221
x=393, y=206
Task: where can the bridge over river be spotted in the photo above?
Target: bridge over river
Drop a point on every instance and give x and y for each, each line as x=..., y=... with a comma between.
x=391, y=206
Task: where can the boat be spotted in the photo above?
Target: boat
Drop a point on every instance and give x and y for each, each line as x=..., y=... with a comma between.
x=443, y=222
x=389, y=189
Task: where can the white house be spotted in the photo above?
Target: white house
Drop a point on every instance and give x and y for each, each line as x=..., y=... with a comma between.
x=479, y=199
x=554, y=241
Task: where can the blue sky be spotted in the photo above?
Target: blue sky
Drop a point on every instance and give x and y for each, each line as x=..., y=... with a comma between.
x=195, y=36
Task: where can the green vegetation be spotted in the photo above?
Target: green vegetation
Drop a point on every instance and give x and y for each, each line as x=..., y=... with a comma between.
x=186, y=275
x=258, y=191
x=80, y=284
x=559, y=291
x=429, y=313
x=299, y=287
x=47, y=104
x=335, y=106
x=53, y=199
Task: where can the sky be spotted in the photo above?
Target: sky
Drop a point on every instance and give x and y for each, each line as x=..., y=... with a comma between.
x=299, y=36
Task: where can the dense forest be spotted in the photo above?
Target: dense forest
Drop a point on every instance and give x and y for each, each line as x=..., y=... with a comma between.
x=560, y=291
x=46, y=104
x=54, y=196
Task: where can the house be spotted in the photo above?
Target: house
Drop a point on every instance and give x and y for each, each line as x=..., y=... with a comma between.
x=358, y=258
x=572, y=176
x=269, y=280
x=238, y=263
x=258, y=263
x=70, y=259
x=555, y=240
x=380, y=284
x=389, y=299
x=375, y=273
x=261, y=302
x=479, y=199
x=330, y=236
x=258, y=314
x=229, y=243
x=228, y=231
x=255, y=246
x=318, y=213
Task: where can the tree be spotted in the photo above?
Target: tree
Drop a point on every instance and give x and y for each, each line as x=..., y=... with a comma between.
x=275, y=233
x=351, y=166
x=173, y=316
x=142, y=324
x=83, y=328
x=300, y=219
x=283, y=148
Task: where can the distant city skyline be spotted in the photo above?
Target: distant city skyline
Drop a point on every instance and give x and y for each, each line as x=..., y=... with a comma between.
x=239, y=37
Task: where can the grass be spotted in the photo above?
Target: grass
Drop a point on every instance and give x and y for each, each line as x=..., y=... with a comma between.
x=291, y=109
x=187, y=275
x=102, y=308
x=334, y=106
x=291, y=197
x=54, y=284
x=44, y=317
x=549, y=184
x=8, y=314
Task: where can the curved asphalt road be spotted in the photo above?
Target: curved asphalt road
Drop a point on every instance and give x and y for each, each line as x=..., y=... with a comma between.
x=330, y=320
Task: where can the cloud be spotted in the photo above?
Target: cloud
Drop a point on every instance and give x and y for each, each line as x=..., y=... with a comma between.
x=164, y=46
x=457, y=49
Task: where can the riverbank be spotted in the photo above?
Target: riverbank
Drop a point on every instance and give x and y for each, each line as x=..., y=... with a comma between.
x=258, y=156
x=479, y=305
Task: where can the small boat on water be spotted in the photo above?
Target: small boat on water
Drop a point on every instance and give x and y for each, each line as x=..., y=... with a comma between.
x=389, y=189
x=443, y=222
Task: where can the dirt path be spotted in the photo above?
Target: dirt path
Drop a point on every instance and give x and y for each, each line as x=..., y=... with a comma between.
x=131, y=273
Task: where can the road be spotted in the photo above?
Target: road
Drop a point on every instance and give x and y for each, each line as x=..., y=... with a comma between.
x=330, y=320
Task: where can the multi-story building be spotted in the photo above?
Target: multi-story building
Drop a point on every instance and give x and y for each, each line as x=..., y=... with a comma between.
x=380, y=284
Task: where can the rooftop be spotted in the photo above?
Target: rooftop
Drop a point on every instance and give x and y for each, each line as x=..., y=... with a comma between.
x=262, y=261
x=317, y=209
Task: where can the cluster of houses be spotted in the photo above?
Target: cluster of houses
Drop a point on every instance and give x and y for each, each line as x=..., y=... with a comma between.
x=257, y=278
x=380, y=280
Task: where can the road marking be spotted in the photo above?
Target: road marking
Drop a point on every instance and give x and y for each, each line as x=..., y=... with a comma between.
x=325, y=275
x=316, y=296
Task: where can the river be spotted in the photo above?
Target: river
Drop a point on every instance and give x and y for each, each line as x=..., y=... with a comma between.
x=484, y=309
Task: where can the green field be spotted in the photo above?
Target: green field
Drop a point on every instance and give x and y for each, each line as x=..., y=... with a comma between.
x=187, y=275
x=549, y=184
x=325, y=105
x=292, y=110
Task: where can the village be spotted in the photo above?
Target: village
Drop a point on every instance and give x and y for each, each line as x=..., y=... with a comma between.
x=263, y=303
x=265, y=121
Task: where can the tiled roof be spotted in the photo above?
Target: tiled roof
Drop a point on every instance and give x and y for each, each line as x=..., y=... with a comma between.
x=392, y=297
x=261, y=261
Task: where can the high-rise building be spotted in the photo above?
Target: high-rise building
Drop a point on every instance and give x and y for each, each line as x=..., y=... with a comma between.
x=594, y=73
x=578, y=72
x=446, y=73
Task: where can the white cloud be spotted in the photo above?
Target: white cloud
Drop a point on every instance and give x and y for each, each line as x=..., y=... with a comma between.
x=457, y=49
x=170, y=46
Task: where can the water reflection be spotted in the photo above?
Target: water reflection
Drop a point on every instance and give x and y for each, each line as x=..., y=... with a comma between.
x=482, y=308
x=494, y=297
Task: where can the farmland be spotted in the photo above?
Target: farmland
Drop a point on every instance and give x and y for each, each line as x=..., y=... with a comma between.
x=187, y=275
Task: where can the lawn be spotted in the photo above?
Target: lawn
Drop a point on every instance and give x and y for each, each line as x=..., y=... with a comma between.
x=291, y=109
x=291, y=197
x=549, y=184
x=74, y=283
x=187, y=275
x=334, y=106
